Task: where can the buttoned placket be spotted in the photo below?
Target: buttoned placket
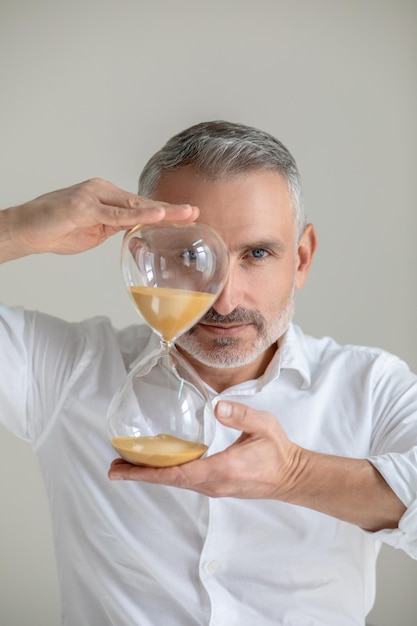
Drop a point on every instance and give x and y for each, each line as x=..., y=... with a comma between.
x=211, y=564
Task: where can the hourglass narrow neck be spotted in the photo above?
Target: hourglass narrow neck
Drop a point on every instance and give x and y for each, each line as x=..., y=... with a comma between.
x=166, y=346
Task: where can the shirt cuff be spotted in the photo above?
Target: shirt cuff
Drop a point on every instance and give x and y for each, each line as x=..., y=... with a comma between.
x=400, y=472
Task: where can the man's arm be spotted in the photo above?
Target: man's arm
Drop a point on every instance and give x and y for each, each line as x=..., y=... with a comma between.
x=78, y=218
x=264, y=463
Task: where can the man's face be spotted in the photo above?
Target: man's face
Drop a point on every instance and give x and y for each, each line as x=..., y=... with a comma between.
x=252, y=213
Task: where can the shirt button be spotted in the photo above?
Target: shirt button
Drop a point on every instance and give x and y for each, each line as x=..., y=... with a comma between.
x=212, y=566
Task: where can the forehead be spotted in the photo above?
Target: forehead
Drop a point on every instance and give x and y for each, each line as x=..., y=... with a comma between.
x=246, y=205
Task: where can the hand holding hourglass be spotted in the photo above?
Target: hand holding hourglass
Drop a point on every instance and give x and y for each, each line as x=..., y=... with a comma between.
x=161, y=415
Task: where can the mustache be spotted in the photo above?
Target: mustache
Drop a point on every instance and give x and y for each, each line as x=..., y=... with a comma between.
x=237, y=316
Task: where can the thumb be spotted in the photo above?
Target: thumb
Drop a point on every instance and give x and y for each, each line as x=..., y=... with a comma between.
x=240, y=416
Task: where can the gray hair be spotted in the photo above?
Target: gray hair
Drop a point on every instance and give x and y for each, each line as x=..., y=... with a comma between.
x=221, y=148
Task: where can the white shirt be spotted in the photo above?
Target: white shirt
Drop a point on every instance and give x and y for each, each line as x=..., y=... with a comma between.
x=135, y=554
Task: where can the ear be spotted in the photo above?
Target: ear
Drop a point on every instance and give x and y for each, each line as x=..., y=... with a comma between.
x=305, y=252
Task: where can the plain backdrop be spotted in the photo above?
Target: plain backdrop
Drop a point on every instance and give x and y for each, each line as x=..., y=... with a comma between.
x=94, y=87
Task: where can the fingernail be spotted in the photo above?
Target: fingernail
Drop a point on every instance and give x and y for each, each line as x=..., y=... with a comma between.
x=224, y=409
x=115, y=477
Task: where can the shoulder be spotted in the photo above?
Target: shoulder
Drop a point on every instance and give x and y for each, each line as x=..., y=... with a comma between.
x=326, y=352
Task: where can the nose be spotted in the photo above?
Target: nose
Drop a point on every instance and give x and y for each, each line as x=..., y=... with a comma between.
x=230, y=296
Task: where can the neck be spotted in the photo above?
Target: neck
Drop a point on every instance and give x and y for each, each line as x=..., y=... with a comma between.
x=221, y=378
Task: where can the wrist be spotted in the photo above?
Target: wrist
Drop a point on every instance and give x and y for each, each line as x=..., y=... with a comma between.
x=294, y=477
x=9, y=248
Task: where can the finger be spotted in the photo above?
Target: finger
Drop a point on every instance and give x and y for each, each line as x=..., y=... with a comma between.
x=117, y=207
x=118, y=198
x=182, y=212
x=146, y=212
x=109, y=194
x=114, y=197
x=122, y=470
x=187, y=475
x=117, y=461
x=244, y=418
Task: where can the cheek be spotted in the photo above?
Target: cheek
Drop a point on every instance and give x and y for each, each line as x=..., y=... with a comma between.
x=271, y=291
x=278, y=279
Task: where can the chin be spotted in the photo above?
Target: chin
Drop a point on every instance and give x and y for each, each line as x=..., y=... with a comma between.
x=221, y=353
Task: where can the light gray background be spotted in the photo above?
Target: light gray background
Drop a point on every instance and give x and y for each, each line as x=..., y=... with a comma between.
x=92, y=88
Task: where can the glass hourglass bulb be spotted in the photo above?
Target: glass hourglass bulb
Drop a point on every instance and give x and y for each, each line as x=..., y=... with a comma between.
x=161, y=415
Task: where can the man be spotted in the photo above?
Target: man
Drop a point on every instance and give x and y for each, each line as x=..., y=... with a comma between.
x=314, y=459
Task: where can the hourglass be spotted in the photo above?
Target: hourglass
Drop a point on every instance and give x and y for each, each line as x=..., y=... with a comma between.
x=161, y=415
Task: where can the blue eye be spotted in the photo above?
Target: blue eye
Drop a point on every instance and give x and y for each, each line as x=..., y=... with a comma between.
x=259, y=253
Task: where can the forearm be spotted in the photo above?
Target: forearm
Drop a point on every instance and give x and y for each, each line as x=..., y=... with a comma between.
x=349, y=489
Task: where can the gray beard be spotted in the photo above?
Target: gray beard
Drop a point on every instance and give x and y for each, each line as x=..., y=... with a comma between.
x=225, y=352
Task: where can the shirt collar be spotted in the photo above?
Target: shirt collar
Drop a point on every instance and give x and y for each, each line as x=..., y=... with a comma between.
x=290, y=355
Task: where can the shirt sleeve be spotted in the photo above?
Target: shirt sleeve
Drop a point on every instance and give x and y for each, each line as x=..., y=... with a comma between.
x=38, y=354
x=13, y=368
x=394, y=447
x=399, y=470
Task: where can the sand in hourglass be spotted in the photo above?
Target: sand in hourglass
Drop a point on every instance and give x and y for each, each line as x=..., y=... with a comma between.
x=158, y=451
x=169, y=310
